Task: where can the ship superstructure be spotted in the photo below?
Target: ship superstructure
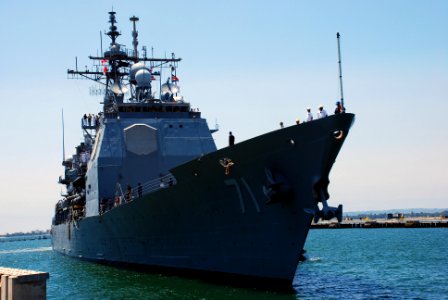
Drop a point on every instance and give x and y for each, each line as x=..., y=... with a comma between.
x=135, y=139
x=149, y=187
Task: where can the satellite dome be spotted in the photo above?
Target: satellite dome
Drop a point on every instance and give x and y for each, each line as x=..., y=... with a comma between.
x=135, y=68
x=143, y=78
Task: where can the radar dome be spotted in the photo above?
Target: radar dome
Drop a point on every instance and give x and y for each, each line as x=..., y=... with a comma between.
x=143, y=78
x=135, y=68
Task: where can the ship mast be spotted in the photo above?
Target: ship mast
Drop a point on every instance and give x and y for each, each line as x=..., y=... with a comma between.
x=134, y=19
x=340, y=72
x=115, y=68
x=113, y=33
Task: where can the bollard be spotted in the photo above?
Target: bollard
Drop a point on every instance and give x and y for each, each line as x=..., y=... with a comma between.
x=4, y=287
x=18, y=284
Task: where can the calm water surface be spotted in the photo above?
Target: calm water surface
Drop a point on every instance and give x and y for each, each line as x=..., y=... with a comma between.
x=343, y=264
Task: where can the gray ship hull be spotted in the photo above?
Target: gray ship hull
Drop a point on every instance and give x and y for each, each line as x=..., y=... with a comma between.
x=222, y=223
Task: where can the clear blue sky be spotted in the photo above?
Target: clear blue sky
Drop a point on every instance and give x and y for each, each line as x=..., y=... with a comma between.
x=248, y=65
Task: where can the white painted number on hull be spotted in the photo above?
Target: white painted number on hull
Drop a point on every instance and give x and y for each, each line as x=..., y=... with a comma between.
x=234, y=182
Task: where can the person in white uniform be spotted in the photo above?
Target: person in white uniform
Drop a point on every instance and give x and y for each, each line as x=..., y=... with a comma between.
x=309, y=115
x=321, y=113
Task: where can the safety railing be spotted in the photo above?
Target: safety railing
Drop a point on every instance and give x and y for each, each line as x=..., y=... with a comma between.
x=138, y=191
x=153, y=185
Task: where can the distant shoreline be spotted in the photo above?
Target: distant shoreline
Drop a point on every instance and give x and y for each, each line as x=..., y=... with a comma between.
x=31, y=233
x=27, y=237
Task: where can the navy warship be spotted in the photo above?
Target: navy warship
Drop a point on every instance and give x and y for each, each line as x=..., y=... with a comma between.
x=148, y=187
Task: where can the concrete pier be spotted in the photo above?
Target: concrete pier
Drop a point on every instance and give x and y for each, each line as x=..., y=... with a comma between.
x=16, y=284
x=383, y=223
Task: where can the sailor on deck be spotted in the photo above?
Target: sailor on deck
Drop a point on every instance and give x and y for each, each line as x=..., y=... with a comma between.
x=309, y=115
x=231, y=139
x=139, y=190
x=128, y=193
x=338, y=109
x=321, y=113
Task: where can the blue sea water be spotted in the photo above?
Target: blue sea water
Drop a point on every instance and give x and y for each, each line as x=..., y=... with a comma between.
x=397, y=263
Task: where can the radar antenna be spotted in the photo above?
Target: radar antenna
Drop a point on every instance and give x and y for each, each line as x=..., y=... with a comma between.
x=340, y=72
x=113, y=33
x=119, y=67
x=134, y=37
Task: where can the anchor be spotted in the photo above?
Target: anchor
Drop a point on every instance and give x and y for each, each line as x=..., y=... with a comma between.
x=327, y=212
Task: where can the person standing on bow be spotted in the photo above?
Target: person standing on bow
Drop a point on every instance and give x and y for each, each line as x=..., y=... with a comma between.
x=321, y=113
x=309, y=115
x=338, y=109
x=231, y=139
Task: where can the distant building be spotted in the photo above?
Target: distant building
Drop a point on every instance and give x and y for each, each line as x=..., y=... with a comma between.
x=395, y=216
